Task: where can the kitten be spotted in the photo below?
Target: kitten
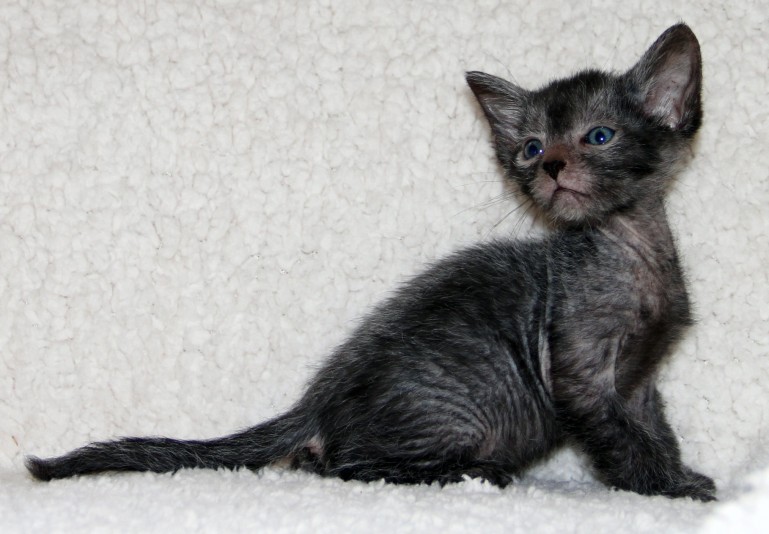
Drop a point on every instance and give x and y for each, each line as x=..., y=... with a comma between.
x=500, y=353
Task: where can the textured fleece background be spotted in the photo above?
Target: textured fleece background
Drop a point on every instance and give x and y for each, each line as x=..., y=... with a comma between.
x=198, y=199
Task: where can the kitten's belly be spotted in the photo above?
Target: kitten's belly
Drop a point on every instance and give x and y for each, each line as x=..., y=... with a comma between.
x=529, y=433
x=500, y=420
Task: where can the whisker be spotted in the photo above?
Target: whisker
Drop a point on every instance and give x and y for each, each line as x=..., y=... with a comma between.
x=498, y=199
x=475, y=182
x=503, y=197
x=517, y=229
x=525, y=205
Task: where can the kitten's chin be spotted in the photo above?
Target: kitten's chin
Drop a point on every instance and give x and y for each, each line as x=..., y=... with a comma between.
x=566, y=206
x=566, y=199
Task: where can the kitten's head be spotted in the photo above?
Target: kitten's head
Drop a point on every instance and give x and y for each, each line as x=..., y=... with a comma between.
x=597, y=143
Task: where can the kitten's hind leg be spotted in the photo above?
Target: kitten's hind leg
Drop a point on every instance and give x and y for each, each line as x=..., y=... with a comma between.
x=408, y=471
x=404, y=465
x=492, y=472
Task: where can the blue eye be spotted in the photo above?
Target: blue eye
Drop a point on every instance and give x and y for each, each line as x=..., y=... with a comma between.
x=532, y=148
x=599, y=135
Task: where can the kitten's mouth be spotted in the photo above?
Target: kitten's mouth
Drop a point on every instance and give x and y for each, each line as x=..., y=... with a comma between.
x=568, y=203
x=561, y=189
x=564, y=197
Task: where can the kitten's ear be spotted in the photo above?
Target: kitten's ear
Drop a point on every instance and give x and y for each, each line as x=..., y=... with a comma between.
x=501, y=101
x=668, y=80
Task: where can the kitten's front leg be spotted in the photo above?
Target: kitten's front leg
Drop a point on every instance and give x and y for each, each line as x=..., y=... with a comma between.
x=629, y=441
x=647, y=405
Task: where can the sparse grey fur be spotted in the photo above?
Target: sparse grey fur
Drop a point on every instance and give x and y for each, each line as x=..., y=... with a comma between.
x=500, y=353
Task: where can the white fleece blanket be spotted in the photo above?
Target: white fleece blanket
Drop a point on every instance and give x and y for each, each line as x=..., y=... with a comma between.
x=199, y=198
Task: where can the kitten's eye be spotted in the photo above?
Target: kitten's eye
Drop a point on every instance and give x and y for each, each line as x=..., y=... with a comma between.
x=599, y=135
x=532, y=148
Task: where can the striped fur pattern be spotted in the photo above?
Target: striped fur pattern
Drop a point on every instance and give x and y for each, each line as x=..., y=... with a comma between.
x=502, y=352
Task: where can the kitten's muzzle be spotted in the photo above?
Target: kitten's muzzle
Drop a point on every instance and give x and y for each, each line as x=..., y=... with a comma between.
x=553, y=167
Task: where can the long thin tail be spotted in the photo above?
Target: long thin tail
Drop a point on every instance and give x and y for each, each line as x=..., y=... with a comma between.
x=252, y=448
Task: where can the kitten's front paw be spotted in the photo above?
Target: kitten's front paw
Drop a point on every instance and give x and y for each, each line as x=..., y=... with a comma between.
x=694, y=485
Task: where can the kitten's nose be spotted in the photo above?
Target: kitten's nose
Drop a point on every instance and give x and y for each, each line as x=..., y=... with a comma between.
x=553, y=167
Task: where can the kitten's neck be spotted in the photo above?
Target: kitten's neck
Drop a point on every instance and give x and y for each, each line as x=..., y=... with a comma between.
x=643, y=231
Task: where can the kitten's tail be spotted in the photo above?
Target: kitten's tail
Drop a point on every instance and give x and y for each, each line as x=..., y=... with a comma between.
x=252, y=448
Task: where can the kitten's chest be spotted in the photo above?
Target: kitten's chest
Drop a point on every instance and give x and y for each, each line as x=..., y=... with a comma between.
x=618, y=301
x=622, y=280
x=650, y=287
x=636, y=278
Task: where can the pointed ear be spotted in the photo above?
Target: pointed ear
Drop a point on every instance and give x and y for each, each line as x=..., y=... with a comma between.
x=668, y=80
x=501, y=101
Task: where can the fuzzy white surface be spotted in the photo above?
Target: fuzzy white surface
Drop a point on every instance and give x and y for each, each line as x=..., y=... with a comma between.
x=198, y=199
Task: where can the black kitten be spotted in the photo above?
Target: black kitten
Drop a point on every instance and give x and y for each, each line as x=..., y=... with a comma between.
x=498, y=354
